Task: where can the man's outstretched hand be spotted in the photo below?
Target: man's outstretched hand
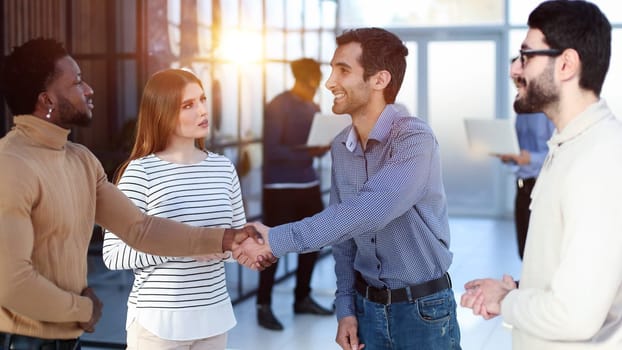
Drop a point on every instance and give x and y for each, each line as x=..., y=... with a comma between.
x=251, y=238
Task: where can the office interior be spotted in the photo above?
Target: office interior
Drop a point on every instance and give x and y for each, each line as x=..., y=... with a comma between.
x=458, y=64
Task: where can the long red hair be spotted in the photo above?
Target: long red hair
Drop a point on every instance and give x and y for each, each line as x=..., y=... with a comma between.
x=159, y=113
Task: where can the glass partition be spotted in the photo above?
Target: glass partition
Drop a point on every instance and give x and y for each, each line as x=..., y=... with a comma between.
x=456, y=92
x=407, y=96
x=430, y=13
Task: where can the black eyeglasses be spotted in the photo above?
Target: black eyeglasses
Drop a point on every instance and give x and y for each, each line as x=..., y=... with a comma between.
x=523, y=55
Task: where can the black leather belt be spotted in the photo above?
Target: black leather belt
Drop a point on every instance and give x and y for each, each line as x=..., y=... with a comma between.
x=22, y=342
x=410, y=293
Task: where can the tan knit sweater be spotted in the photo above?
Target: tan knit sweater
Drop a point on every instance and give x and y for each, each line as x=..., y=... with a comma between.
x=51, y=193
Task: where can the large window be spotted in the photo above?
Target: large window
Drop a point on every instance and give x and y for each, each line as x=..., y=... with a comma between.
x=429, y=13
x=241, y=51
x=103, y=36
x=459, y=68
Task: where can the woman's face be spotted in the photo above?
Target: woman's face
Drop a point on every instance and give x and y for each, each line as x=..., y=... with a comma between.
x=193, y=122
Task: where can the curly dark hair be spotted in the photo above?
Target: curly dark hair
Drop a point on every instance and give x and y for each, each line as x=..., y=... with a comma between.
x=27, y=71
x=578, y=25
x=382, y=50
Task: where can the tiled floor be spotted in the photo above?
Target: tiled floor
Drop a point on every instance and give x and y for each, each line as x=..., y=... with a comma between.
x=482, y=248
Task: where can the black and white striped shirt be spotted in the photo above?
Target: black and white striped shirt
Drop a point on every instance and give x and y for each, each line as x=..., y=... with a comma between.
x=205, y=194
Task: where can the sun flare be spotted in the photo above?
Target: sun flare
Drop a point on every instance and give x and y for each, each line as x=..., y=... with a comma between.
x=241, y=46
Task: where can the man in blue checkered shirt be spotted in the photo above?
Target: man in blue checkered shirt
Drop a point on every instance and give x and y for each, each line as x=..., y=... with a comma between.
x=387, y=217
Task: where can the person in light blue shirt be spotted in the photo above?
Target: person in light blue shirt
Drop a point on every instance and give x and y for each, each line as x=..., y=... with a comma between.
x=387, y=216
x=533, y=131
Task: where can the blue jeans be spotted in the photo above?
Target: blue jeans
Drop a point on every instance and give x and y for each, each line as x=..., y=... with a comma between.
x=427, y=323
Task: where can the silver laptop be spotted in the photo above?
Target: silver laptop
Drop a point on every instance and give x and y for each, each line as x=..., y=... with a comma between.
x=491, y=136
x=325, y=127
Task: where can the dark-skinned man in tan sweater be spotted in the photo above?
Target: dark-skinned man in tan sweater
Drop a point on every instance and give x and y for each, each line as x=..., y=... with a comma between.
x=52, y=191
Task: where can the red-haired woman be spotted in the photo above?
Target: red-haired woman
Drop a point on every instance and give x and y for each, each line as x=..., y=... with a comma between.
x=177, y=303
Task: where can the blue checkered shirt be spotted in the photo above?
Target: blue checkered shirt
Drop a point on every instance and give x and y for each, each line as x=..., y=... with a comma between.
x=387, y=218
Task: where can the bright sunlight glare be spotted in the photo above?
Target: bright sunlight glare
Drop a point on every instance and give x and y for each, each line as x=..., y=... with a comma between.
x=241, y=46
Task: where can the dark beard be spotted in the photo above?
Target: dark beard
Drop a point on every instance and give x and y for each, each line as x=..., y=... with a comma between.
x=70, y=116
x=540, y=94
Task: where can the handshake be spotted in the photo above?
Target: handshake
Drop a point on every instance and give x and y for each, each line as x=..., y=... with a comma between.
x=250, y=246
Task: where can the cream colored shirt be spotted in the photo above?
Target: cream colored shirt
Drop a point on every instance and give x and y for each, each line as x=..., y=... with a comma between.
x=570, y=293
x=51, y=193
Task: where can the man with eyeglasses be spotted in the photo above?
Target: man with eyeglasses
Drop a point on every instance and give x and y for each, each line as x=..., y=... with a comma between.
x=570, y=295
